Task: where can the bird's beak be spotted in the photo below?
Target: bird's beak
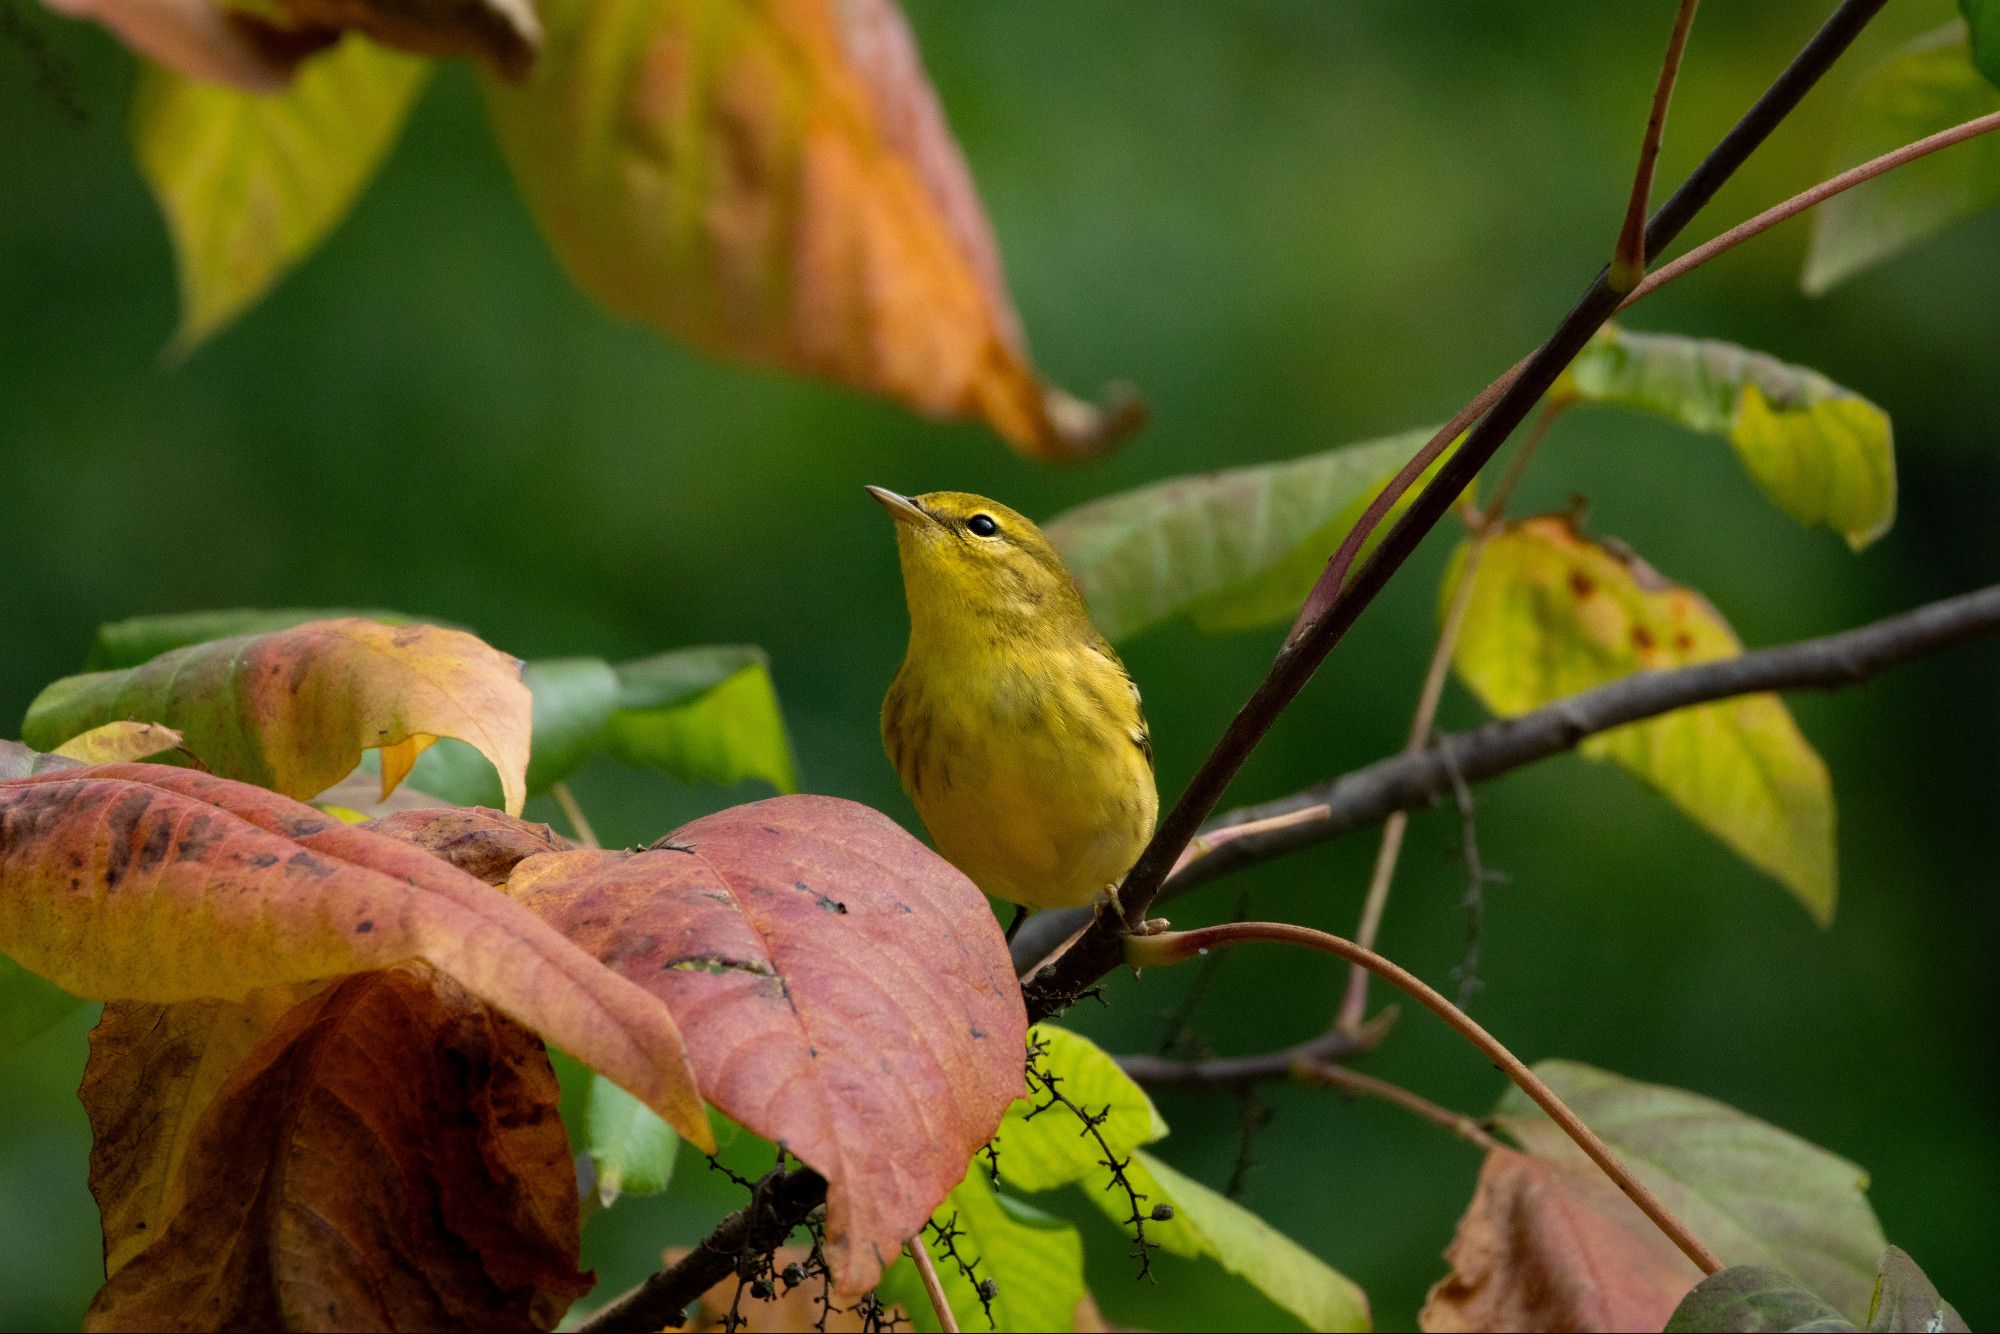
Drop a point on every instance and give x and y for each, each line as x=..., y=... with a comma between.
x=901, y=508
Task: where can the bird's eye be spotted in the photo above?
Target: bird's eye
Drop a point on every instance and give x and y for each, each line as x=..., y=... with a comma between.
x=982, y=525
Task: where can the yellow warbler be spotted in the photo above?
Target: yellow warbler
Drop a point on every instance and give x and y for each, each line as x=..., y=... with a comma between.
x=1013, y=725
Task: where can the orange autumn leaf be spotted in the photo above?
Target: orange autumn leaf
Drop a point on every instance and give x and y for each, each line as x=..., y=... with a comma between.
x=775, y=183
x=144, y=882
x=293, y=709
x=845, y=992
x=387, y=1157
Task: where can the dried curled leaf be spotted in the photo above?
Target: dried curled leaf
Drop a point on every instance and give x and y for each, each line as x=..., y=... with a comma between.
x=1553, y=613
x=292, y=710
x=143, y=882
x=1546, y=1246
x=845, y=993
x=387, y=1157
x=503, y=33
x=484, y=844
x=775, y=183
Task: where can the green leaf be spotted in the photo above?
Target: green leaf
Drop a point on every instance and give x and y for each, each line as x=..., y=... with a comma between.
x=1234, y=549
x=250, y=184
x=1905, y=1300
x=704, y=715
x=1208, y=1224
x=1035, y=1262
x=1041, y=1151
x=1755, y=1194
x=1823, y=454
x=1553, y=613
x=139, y=640
x=1929, y=85
x=1753, y=1300
x=633, y=1148
x=29, y=1007
x=1983, y=17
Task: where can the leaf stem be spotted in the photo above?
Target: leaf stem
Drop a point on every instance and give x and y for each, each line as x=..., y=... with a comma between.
x=579, y=827
x=1354, y=1002
x=1628, y=263
x=920, y=1256
x=1177, y=946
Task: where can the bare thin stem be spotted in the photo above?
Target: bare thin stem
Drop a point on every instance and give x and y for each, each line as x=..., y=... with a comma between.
x=1628, y=263
x=920, y=1256
x=1218, y=1072
x=1354, y=1001
x=1174, y=947
x=1806, y=199
x=1202, y=844
x=579, y=827
x=1368, y=1086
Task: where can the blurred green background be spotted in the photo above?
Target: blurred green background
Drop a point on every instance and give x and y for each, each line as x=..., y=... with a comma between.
x=1292, y=225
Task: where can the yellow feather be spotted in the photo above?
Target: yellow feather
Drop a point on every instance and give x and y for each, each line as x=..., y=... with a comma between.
x=1012, y=724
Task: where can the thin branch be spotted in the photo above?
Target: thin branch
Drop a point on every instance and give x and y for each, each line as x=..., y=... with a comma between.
x=1236, y=1071
x=1354, y=1082
x=1477, y=877
x=1369, y=795
x=1628, y=262
x=579, y=827
x=1099, y=949
x=785, y=1203
x=920, y=1256
x=1806, y=199
x=1177, y=946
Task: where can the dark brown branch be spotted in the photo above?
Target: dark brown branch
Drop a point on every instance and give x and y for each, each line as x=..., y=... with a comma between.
x=1099, y=949
x=1367, y=796
x=782, y=1203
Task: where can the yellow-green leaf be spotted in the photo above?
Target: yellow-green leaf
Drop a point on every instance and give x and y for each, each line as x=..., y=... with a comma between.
x=775, y=183
x=1553, y=613
x=633, y=1148
x=1208, y=1224
x=1234, y=549
x=1041, y=1150
x=1035, y=1262
x=705, y=715
x=250, y=184
x=1929, y=85
x=293, y=710
x=1823, y=454
x=116, y=743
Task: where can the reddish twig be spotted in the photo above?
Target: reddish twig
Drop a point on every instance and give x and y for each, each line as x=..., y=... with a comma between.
x=1628, y=261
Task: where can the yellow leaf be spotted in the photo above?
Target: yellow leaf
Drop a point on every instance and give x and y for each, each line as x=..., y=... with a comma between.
x=116, y=742
x=1553, y=613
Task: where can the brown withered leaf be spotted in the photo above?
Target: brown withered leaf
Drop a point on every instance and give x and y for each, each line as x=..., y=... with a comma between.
x=200, y=39
x=388, y=1157
x=845, y=993
x=485, y=844
x=503, y=33
x=775, y=183
x=143, y=882
x=1548, y=1247
x=153, y=1071
x=293, y=709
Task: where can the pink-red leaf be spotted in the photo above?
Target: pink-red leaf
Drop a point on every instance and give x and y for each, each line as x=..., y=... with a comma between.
x=142, y=882
x=844, y=991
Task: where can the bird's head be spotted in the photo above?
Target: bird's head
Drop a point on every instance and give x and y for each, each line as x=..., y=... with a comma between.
x=972, y=564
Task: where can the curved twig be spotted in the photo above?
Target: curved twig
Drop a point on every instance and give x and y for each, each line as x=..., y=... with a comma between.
x=1178, y=946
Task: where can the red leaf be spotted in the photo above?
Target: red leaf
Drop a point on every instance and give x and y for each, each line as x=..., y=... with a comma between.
x=143, y=882
x=482, y=842
x=845, y=992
